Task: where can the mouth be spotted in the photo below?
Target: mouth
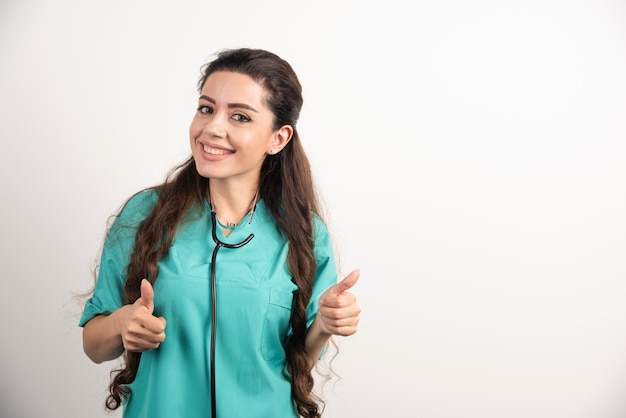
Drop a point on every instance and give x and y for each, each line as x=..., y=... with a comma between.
x=215, y=151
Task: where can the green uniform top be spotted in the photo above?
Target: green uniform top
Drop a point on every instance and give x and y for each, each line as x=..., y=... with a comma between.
x=254, y=302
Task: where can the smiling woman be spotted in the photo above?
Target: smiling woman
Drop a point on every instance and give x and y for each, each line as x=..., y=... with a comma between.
x=236, y=225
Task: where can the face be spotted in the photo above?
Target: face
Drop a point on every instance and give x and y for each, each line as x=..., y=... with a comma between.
x=232, y=130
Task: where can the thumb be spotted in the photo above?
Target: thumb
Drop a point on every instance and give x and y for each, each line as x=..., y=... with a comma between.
x=349, y=281
x=147, y=295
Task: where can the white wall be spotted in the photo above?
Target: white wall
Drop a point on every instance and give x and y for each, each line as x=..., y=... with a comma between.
x=472, y=157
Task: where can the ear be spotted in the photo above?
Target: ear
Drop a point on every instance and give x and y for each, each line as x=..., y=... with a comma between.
x=280, y=139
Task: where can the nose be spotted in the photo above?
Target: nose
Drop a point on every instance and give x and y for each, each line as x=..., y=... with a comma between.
x=215, y=126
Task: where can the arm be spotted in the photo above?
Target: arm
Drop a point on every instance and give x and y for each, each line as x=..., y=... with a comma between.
x=101, y=340
x=315, y=341
x=107, y=322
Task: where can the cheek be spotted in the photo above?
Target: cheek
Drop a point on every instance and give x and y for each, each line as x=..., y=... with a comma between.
x=194, y=130
x=193, y=135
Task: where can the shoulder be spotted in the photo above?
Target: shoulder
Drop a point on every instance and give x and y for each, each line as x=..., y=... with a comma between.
x=138, y=206
x=132, y=213
x=319, y=226
x=321, y=236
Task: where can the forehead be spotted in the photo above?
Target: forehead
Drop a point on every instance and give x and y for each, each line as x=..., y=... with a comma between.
x=229, y=87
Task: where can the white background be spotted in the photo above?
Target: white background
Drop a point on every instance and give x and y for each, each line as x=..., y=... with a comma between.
x=471, y=155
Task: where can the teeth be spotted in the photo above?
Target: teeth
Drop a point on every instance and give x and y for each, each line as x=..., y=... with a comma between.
x=215, y=151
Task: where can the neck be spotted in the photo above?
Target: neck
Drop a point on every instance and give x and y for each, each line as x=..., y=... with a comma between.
x=232, y=204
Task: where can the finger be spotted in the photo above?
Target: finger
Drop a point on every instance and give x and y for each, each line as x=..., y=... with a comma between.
x=346, y=331
x=142, y=348
x=349, y=281
x=145, y=340
x=146, y=336
x=140, y=344
x=145, y=324
x=349, y=311
x=340, y=322
x=342, y=300
x=343, y=330
x=147, y=295
x=154, y=325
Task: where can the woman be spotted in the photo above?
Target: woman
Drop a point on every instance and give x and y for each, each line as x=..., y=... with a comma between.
x=229, y=258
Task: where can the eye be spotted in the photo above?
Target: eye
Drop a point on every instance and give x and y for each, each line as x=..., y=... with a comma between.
x=240, y=117
x=205, y=110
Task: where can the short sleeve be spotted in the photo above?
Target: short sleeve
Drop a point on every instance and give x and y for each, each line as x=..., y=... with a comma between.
x=326, y=274
x=108, y=294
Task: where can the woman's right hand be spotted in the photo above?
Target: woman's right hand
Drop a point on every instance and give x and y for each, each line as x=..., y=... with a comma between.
x=132, y=327
x=139, y=328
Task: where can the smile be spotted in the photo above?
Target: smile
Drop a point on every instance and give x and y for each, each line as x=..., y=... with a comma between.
x=215, y=151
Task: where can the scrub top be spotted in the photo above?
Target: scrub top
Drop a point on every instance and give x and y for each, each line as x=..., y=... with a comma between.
x=254, y=302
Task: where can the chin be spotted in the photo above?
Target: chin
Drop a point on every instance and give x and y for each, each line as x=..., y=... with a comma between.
x=205, y=173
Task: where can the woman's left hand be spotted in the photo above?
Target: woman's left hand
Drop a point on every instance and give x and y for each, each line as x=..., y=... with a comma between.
x=338, y=312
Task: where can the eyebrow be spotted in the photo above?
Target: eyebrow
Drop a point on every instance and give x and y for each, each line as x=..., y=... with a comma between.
x=231, y=105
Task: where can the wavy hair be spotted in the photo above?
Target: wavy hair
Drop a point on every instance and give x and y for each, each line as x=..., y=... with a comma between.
x=286, y=186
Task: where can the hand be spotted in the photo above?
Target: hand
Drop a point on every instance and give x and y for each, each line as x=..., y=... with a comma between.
x=338, y=312
x=140, y=330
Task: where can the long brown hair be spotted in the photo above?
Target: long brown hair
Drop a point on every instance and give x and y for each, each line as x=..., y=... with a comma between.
x=286, y=186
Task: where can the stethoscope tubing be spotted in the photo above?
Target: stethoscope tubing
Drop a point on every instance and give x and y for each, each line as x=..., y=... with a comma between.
x=218, y=244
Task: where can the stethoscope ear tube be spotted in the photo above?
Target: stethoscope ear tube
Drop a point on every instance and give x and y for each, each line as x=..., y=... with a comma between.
x=218, y=244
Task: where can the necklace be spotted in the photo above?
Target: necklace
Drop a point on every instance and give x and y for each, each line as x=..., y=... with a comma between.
x=230, y=224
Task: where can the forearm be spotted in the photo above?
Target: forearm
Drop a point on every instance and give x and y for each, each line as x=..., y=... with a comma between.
x=315, y=341
x=101, y=339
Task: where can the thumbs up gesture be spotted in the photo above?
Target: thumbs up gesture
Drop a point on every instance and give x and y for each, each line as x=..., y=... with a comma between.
x=139, y=328
x=338, y=312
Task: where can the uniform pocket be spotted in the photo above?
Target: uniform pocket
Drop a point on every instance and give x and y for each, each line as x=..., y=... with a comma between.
x=276, y=324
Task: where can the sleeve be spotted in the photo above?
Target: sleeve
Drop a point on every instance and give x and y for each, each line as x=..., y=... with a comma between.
x=108, y=294
x=326, y=274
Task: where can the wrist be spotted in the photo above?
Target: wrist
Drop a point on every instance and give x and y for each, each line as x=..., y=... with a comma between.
x=320, y=329
x=116, y=321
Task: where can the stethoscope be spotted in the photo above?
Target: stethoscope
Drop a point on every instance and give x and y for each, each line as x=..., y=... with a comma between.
x=218, y=244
